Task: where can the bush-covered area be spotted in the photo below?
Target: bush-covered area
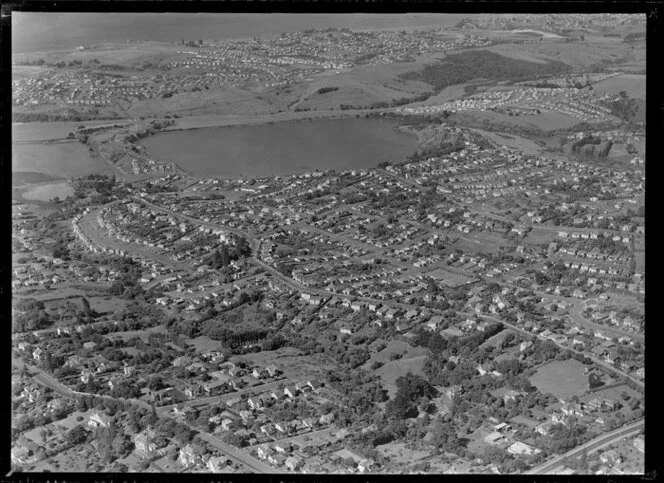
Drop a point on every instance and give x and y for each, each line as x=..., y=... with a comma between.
x=325, y=90
x=463, y=67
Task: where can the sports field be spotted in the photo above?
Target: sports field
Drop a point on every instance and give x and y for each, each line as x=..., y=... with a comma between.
x=563, y=379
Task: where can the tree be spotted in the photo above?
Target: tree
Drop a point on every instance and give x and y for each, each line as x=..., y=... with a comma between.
x=77, y=435
x=437, y=343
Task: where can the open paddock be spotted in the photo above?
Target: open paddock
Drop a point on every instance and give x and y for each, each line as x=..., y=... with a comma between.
x=538, y=236
x=392, y=370
x=48, y=192
x=633, y=84
x=143, y=334
x=479, y=243
x=399, y=454
x=289, y=360
x=203, y=344
x=563, y=379
x=616, y=393
x=448, y=278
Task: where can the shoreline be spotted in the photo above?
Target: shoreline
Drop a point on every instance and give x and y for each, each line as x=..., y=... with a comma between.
x=222, y=120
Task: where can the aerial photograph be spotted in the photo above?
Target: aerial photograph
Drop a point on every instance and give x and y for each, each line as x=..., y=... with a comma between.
x=405, y=243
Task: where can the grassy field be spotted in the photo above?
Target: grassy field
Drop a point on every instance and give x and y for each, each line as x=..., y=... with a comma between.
x=47, y=192
x=563, y=379
x=448, y=278
x=615, y=392
x=633, y=84
x=538, y=236
x=577, y=54
x=479, y=242
x=290, y=361
x=398, y=453
x=230, y=101
x=126, y=55
x=392, y=370
x=203, y=344
x=143, y=334
x=412, y=361
x=28, y=178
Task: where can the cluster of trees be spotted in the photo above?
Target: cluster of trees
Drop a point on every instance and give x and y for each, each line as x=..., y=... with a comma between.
x=412, y=390
x=325, y=90
x=386, y=104
x=353, y=356
x=633, y=36
x=360, y=390
x=463, y=67
x=32, y=316
x=445, y=437
x=237, y=339
x=563, y=439
x=69, y=115
x=625, y=107
x=100, y=183
x=225, y=254
x=112, y=443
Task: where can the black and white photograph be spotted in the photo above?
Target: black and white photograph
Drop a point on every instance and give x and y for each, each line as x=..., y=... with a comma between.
x=327, y=243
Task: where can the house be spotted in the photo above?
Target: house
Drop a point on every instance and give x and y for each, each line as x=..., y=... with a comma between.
x=264, y=451
x=267, y=429
x=187, y=456
x=524, y=345
x=145, y=442
x=314, y=383
x=494, y=438
x=20, y=455
x=216, y=464
x=544, y=428
x=272, y=370
x=290, y=391
x=283, y=447
x=293, y=463
x=114, y=381
x=99, y=419
x=309, y=422
x=214, y=387
x=277, y=459
x=326, y=419
x=24, y=346
x=227, y=424
x=434, y=322
x=255, y=402
x=519, y=448
x=36, y=354
x=639, y=444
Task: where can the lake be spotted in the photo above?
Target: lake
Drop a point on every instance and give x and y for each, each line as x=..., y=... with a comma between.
x=284, y=147
x=35, y=31
x=62, y=160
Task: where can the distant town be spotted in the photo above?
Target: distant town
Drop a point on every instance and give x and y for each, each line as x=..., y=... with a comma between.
x=477, y=307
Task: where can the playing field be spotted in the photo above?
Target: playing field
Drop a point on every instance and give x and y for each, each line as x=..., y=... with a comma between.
x=563, y=379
